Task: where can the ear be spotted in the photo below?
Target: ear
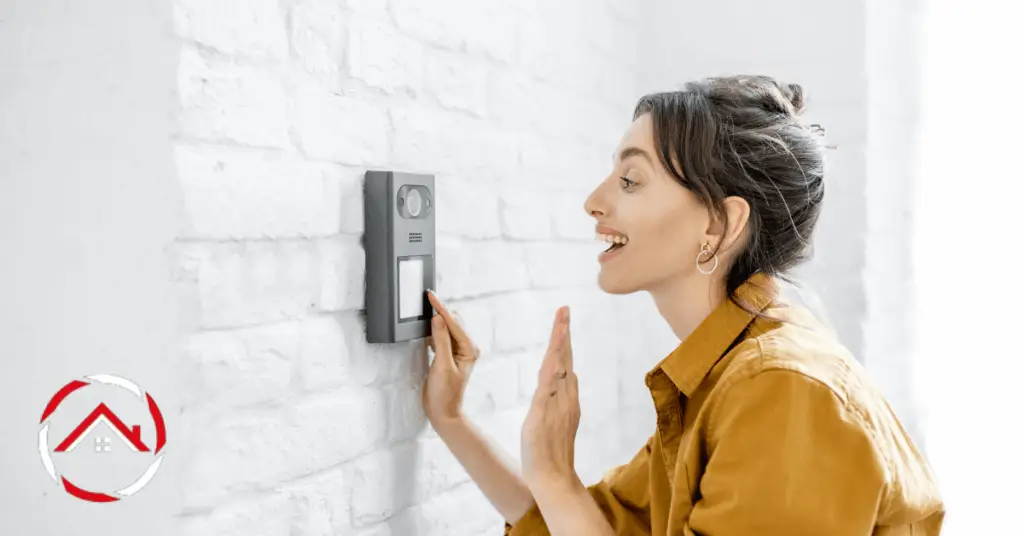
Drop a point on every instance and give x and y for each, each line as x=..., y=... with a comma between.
x=729, y=232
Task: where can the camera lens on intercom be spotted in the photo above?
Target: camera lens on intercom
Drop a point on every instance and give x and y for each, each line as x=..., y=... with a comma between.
x=413, y=203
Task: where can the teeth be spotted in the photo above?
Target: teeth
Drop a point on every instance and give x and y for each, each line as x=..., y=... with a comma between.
x=612, y=239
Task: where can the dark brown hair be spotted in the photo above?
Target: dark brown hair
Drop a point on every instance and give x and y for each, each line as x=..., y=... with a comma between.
x=743, y=136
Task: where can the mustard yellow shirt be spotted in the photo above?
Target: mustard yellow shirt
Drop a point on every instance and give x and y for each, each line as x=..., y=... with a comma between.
x=766, y=428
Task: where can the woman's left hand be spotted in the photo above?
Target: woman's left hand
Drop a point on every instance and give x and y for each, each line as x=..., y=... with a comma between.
x=549, y=431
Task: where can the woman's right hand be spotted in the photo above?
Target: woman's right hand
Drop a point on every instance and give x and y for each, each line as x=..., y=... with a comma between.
x=493, y=470
x=454, y=357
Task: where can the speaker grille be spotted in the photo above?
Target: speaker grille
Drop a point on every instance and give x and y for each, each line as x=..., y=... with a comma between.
x=415, y=238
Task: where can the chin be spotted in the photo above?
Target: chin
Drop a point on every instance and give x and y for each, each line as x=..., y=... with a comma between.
x=613, y=285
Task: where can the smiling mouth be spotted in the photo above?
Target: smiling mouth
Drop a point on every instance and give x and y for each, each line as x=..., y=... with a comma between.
x=616, y=242
x=614, y=247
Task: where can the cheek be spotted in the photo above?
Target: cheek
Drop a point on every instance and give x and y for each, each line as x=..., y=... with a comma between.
x=673, y=230
x=669, y=238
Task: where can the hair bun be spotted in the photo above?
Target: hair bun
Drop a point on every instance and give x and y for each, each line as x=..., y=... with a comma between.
x=795, y=94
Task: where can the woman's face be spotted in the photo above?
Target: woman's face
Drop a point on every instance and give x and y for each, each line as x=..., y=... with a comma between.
x=663, y=223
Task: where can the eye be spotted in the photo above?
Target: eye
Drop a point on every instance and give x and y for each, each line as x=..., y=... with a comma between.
x=628, y=183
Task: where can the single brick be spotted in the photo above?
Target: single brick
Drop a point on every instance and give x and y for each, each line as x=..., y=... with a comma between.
x=232, y=193
x=340, y=129
x=225, y=101
x=245, y=27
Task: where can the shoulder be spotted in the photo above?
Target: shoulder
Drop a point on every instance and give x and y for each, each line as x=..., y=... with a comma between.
x=797, y=369
x=797, y=349
x=797, y=377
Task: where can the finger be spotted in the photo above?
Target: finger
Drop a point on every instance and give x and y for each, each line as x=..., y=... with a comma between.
x=572, y=411
x=566, y=348
x=449, y=316
x=547, y=376
x=540, y=400
x=560, y=404
x=454, y=325
x=561, y=391
x=442, y=341
x=558, y=360
x=572, y=386
x=554, y=386
x=555, y=328
x=551, y=355
x=544, y=392
x=568, y=392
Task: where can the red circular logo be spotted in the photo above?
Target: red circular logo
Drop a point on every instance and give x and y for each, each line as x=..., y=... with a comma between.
x=122, y=459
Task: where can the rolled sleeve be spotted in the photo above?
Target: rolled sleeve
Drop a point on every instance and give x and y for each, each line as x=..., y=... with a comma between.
x=788, y=457
x=623, y=495
x=531, y=524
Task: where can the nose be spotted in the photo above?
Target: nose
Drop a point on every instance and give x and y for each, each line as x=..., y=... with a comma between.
x=593, y=205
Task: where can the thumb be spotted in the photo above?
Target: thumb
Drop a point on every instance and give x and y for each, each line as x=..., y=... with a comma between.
x=442, y=341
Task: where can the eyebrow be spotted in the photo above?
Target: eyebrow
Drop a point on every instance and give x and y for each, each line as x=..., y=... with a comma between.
x=633, y=151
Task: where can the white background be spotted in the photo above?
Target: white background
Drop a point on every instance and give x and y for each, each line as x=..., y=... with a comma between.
x=967, y=261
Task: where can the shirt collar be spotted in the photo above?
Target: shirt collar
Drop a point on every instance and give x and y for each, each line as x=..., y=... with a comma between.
x=690, y=362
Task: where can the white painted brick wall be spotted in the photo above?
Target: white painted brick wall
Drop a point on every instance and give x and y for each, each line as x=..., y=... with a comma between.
x=253, y=27
x=231, y=102
x=293, y=424
x=336, y=128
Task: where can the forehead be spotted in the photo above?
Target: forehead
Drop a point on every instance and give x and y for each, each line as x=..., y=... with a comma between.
x=639, y=134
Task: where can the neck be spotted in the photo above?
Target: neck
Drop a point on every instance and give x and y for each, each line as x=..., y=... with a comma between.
x=685, y=301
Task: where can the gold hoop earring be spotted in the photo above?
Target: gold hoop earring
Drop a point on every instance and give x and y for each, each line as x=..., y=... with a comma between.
x=705, y=249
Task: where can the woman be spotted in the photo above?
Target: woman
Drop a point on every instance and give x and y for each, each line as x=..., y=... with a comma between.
x=765, y=424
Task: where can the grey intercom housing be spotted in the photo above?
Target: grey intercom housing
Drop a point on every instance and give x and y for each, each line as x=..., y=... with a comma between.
x=399, y=242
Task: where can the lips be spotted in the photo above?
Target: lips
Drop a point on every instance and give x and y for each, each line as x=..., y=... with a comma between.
x=612, y=251
x=615, y=241
x=605, y=230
